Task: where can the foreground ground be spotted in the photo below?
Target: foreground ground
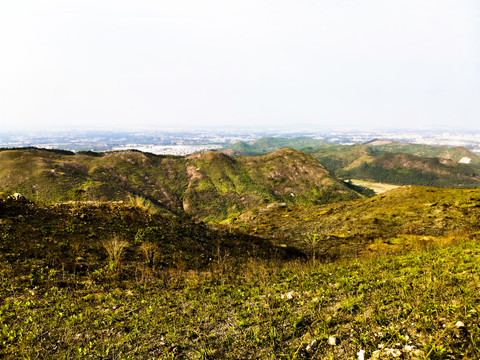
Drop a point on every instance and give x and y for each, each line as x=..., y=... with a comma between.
x=420, y=304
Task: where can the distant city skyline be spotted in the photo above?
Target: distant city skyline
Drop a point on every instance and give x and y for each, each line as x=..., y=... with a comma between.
x=126, y=65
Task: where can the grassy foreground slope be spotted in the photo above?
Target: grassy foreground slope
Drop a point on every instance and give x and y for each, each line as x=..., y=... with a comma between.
x=113, y=281
x=404, y=218
x=208, y=186
x=420, y=305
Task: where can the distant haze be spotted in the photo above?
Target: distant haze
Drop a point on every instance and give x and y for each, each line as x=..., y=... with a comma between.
x=174, y=63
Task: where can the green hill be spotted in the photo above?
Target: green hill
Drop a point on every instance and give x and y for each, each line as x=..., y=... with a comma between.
x=290, y=274
x=406, y=169
x=451, y=153
x=208, y=186
x=385, y=161
x=341, y=157
x=268, y=145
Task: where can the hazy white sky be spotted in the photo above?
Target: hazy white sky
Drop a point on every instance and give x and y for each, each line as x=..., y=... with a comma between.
x=321, y=63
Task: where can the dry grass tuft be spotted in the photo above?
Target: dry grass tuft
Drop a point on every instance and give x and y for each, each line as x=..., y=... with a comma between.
x=115, y=248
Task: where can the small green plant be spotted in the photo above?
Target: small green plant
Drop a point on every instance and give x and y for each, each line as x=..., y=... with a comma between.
x=436, y=352
x=351, y=304
x=151, y=253
x=205, y=353
x=312, y=240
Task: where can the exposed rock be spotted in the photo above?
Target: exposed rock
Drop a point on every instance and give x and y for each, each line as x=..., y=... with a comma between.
x=290, y=295
x=459, y=325
x=17, y=197
x=361, y=355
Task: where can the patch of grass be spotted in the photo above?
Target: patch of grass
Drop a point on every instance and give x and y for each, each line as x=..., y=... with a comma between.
x=141, y=202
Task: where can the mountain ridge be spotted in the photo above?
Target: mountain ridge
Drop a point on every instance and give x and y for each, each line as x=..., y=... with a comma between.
x=209, y=186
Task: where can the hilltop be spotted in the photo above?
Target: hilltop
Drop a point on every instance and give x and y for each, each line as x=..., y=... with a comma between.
x=268, y=145
x=452, y=153
x=207, y=186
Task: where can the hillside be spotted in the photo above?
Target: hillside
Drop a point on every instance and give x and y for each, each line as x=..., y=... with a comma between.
x=268, y=145
x=338, y=158
x=320, y=148
x=208, y=186
x=451, y=153
x=109, y=280
x=75, y=237
x=285, y=272
x=405, y=216
x=406, y=169
x=385, y=161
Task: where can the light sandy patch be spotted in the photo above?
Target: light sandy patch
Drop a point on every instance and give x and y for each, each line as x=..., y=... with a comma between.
x=194, y=173
x=379, y=142
x=379, y=188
